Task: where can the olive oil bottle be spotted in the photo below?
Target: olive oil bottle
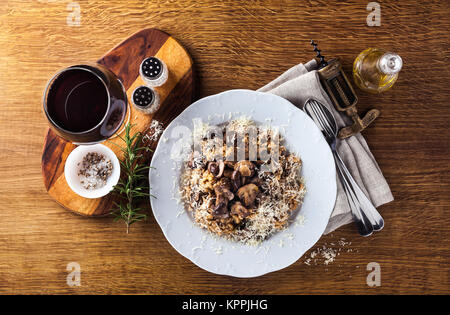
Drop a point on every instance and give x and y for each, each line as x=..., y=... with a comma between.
x=375, y=70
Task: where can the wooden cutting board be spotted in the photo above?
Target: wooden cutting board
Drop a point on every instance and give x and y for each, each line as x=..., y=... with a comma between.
x=124, y=60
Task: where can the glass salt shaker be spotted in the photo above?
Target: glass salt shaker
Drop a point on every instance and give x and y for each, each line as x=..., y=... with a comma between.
x=153, y=71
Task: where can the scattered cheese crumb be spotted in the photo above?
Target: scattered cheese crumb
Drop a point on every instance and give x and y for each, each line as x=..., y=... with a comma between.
x=155, y=130
x=327, y=255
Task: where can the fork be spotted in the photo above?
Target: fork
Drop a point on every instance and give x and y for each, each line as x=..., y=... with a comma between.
x=367, y=218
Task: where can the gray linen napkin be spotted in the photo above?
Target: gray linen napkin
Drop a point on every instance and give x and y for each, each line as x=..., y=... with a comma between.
x=302, y=82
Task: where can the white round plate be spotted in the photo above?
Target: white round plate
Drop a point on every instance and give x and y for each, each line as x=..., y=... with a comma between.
x=282, y=249
x=71, y=169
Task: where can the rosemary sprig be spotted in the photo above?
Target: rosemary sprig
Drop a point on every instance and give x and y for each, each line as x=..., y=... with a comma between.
x=133, y=185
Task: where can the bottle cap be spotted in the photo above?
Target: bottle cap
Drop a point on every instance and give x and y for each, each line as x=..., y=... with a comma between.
x=390, y=63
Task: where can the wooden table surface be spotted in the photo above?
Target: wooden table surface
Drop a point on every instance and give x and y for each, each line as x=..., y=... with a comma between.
x=234, y=44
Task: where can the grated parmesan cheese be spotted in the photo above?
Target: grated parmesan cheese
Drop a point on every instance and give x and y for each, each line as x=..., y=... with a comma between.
x=327, y=255
x=155, y=130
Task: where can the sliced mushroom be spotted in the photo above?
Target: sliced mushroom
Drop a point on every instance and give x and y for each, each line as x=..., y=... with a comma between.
x=223, y=195
x=220, y=211
x=213, y=167
x=246, y=168
x=247, y=194
x=216, y=168
x=239, y=212
x=236, y=180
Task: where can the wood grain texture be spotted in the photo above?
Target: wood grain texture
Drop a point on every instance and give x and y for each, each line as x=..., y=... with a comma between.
x=124, y=61
x=234, y=45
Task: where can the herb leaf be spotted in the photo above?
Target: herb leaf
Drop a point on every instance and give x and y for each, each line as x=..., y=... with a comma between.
x=133, y=186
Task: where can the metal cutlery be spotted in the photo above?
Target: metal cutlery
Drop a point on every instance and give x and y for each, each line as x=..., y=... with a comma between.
x=364, y=213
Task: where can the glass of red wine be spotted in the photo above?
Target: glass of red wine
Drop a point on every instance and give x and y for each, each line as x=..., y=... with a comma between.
x=85, y=103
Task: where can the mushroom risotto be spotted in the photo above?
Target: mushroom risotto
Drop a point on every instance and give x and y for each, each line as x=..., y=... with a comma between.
x=244, y=199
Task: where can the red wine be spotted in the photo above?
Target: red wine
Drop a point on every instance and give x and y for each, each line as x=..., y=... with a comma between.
x=78, y=100
x=85, y=103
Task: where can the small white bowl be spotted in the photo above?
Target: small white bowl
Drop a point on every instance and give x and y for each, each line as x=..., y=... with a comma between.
x=71, y=169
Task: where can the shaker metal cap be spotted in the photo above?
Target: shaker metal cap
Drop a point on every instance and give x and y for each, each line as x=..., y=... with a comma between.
x=153, y=71
x=143, y=96
x=145, y=99
x=151, y=68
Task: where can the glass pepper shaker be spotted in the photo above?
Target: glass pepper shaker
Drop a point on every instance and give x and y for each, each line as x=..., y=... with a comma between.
x=145, y=99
